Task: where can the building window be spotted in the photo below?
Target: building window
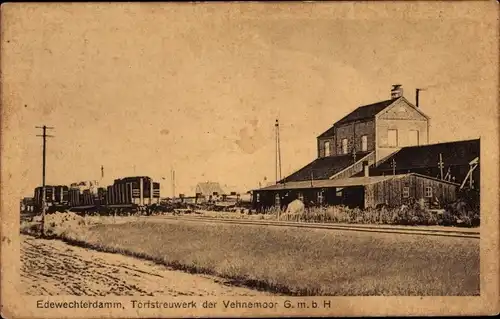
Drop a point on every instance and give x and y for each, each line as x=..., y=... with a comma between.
x=277, y=200
x=406, y=192
x=327, y=148
x=364, y=143
x=428, y=192
x=338, y=192
x=257, y=198
x=344, y=146
x=392, y=138
x=300, y=196
x=413, y=138
x=320, y=197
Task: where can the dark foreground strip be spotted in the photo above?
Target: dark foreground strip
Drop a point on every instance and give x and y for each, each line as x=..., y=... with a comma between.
x=382, y=229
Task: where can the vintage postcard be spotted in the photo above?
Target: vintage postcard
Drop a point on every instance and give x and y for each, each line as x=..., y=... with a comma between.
x=236, y=159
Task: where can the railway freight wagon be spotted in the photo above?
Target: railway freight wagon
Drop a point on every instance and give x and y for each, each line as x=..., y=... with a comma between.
x=129, y=194
x=140, y=191
x=55, y=196
x=87, y=197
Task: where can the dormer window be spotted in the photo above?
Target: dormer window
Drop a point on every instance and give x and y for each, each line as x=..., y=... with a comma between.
x=327, y=148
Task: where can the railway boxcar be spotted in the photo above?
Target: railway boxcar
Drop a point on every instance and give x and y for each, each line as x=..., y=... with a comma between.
x=129, y=194
x=55, y=195
x=138, y=190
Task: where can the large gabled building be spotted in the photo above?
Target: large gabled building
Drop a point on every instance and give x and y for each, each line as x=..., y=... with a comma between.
x=385, y=138
x=368, y=134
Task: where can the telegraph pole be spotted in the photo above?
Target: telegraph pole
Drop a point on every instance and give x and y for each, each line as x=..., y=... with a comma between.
x=173, y=184
x=441, y=165
x=44, y=138
x=278, y=152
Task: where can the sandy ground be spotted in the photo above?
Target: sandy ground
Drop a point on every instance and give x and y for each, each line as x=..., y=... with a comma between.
x=52, y=267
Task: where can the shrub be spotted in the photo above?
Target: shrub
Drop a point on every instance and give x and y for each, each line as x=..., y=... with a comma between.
x=455, y=214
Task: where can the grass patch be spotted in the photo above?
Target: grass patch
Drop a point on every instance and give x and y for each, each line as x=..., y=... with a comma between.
x=405, y=215
x=298, y=262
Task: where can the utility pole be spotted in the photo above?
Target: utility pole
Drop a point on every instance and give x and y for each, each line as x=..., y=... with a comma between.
x=278, y=152
x=44, y=138
x=173, y=184
x=441, y=165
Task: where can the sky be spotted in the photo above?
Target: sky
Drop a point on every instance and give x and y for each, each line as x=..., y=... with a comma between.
x=146, y=88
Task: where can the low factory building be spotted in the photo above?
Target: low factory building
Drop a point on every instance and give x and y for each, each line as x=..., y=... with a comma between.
x=455, y=161
x=361, y=192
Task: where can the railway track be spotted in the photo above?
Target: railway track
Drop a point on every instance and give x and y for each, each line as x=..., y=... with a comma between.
x=409, y=230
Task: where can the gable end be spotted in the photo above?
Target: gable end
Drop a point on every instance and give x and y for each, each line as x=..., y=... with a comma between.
x=402, y=109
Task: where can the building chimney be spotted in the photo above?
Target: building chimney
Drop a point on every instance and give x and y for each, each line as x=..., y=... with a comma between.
x=366, y=168
x=396, y=91
x=417, y=97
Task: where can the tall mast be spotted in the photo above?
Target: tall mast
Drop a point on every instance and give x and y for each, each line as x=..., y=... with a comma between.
x=173, y=183
x=44, y=194
x=278, y=152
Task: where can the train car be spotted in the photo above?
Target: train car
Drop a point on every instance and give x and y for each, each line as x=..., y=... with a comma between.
x=126, y=195
x=138, y=190
x=56, y=196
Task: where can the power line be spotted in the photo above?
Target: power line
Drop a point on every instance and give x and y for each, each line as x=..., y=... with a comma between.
x=44, y=162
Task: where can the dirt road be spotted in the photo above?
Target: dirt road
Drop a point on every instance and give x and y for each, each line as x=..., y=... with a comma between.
x=52, y=267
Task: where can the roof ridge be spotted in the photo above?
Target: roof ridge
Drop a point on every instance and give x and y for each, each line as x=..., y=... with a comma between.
x=358, y=113
x=383, y=101
x=438, y=143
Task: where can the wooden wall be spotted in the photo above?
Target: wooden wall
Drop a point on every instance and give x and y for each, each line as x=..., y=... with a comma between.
x=391, y=192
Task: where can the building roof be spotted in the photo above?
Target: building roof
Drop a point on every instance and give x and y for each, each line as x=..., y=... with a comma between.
x=452, y=153
x=208, y=188
x=345, y=182
x=322, y=183
x=361, y=113
x=324, y=167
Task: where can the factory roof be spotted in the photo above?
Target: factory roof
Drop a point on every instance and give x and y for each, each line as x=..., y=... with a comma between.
x=324, y=167
x=452, y=153
x=345, y=182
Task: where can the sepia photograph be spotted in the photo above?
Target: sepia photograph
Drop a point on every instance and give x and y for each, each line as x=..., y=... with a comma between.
x=249, y=159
